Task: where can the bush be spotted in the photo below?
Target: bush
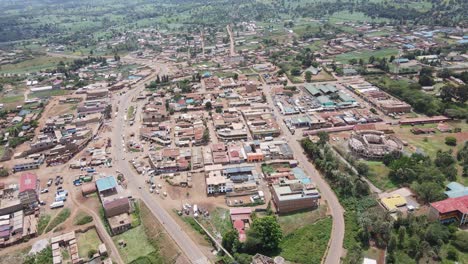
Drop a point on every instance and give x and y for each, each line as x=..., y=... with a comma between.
x=3, y=173
x=91, y=253
x=451, y=141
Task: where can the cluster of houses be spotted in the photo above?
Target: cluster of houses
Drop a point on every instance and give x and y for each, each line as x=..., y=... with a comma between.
x=19, y=204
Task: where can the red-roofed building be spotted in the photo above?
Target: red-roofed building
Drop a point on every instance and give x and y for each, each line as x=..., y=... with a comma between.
x=240, y=218
x=450, y=210
x=29, y=181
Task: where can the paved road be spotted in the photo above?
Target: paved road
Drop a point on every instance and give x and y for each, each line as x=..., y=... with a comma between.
x=335, y=250
x=136, y=184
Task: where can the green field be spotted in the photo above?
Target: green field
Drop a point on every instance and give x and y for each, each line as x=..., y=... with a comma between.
x=82, y=218
x=58, y=219
x=346, y=16
x=33, y=65
x=307, y=244
x=290, y=223
x=219, y=221
x=378, y=175
x=88, y=241
x=46, y=94
x=137, y=244
x=365, y=54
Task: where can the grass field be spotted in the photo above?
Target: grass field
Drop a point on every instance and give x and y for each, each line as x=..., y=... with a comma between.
x=378, y=175
x=45, y=94
x=58, y=219
x=365, y=55
x=290, y=223
x=43, y=221
x=130, y=111
x=82, y=218
x=36, y=64
x=88, y=241
x=219, y=221
x=307, y=244
x=137, y=244
x=346, y=16
x=12, y=99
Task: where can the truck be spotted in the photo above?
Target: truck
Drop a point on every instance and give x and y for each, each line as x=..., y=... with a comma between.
x=58, y=204
x=268, y=138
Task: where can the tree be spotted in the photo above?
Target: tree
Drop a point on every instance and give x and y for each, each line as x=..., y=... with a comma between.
x=206, y=136
x=323, y=137
x=460, y=240
x=295, y=71
x=231, y=240
x=425, y=80
x=429, y=191
x=451, y=141
x=265, y=234
x=362, y=169
x=3, y=172
x=308, y=76
x=208, y=105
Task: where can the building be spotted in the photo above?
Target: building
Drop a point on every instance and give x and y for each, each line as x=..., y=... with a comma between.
x=106, y=186
x=240, y=218
x=215, y=182
x=450, y=210
x=455, y=190
x=120, y=223
x=116, y=207
x=393, y=202
x=291, y=195
x=29, y=181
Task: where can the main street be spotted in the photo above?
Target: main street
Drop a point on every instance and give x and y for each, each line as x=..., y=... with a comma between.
x=136, y=183
x=335, y=250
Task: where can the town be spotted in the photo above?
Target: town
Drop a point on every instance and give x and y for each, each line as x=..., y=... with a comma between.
x=338, y=140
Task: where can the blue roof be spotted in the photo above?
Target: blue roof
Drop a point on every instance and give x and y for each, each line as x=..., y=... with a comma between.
x=455, y=189
x=238, y=169
x=106, y=183
x=24, y=112
x=298, y=173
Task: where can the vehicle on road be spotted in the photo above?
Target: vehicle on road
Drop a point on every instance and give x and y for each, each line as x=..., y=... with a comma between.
x=58, y=204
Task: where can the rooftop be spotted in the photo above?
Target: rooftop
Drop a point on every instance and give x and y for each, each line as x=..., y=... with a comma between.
x=455, y=189
x=106, y=183
x=452, y=204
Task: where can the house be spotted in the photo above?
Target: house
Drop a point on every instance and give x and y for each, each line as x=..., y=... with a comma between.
x=116, y=207
x=292, y=195
x=240, y=218
x=455, y=190
x=106, y=186
x=120, y=223
x=393, y=202
x=450, y=210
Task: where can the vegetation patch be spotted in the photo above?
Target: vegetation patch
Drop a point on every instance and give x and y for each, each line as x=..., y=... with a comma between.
x=88, y=242
x=82, y=218
x=58, y=219
x=290, y=223
x=307, y=244
x=44, y=219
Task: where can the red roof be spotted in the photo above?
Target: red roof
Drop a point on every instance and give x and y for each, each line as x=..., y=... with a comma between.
x=238, y=224
x=240, y=210
x=28, y=181
x=452, y=204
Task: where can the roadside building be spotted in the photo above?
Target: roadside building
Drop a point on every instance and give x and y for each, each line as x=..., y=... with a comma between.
x=291, y=195
x=450, y=210
x=106, y=186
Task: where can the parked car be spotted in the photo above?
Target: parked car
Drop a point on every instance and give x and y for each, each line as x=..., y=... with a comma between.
x=49, y=182
x=45, y=190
